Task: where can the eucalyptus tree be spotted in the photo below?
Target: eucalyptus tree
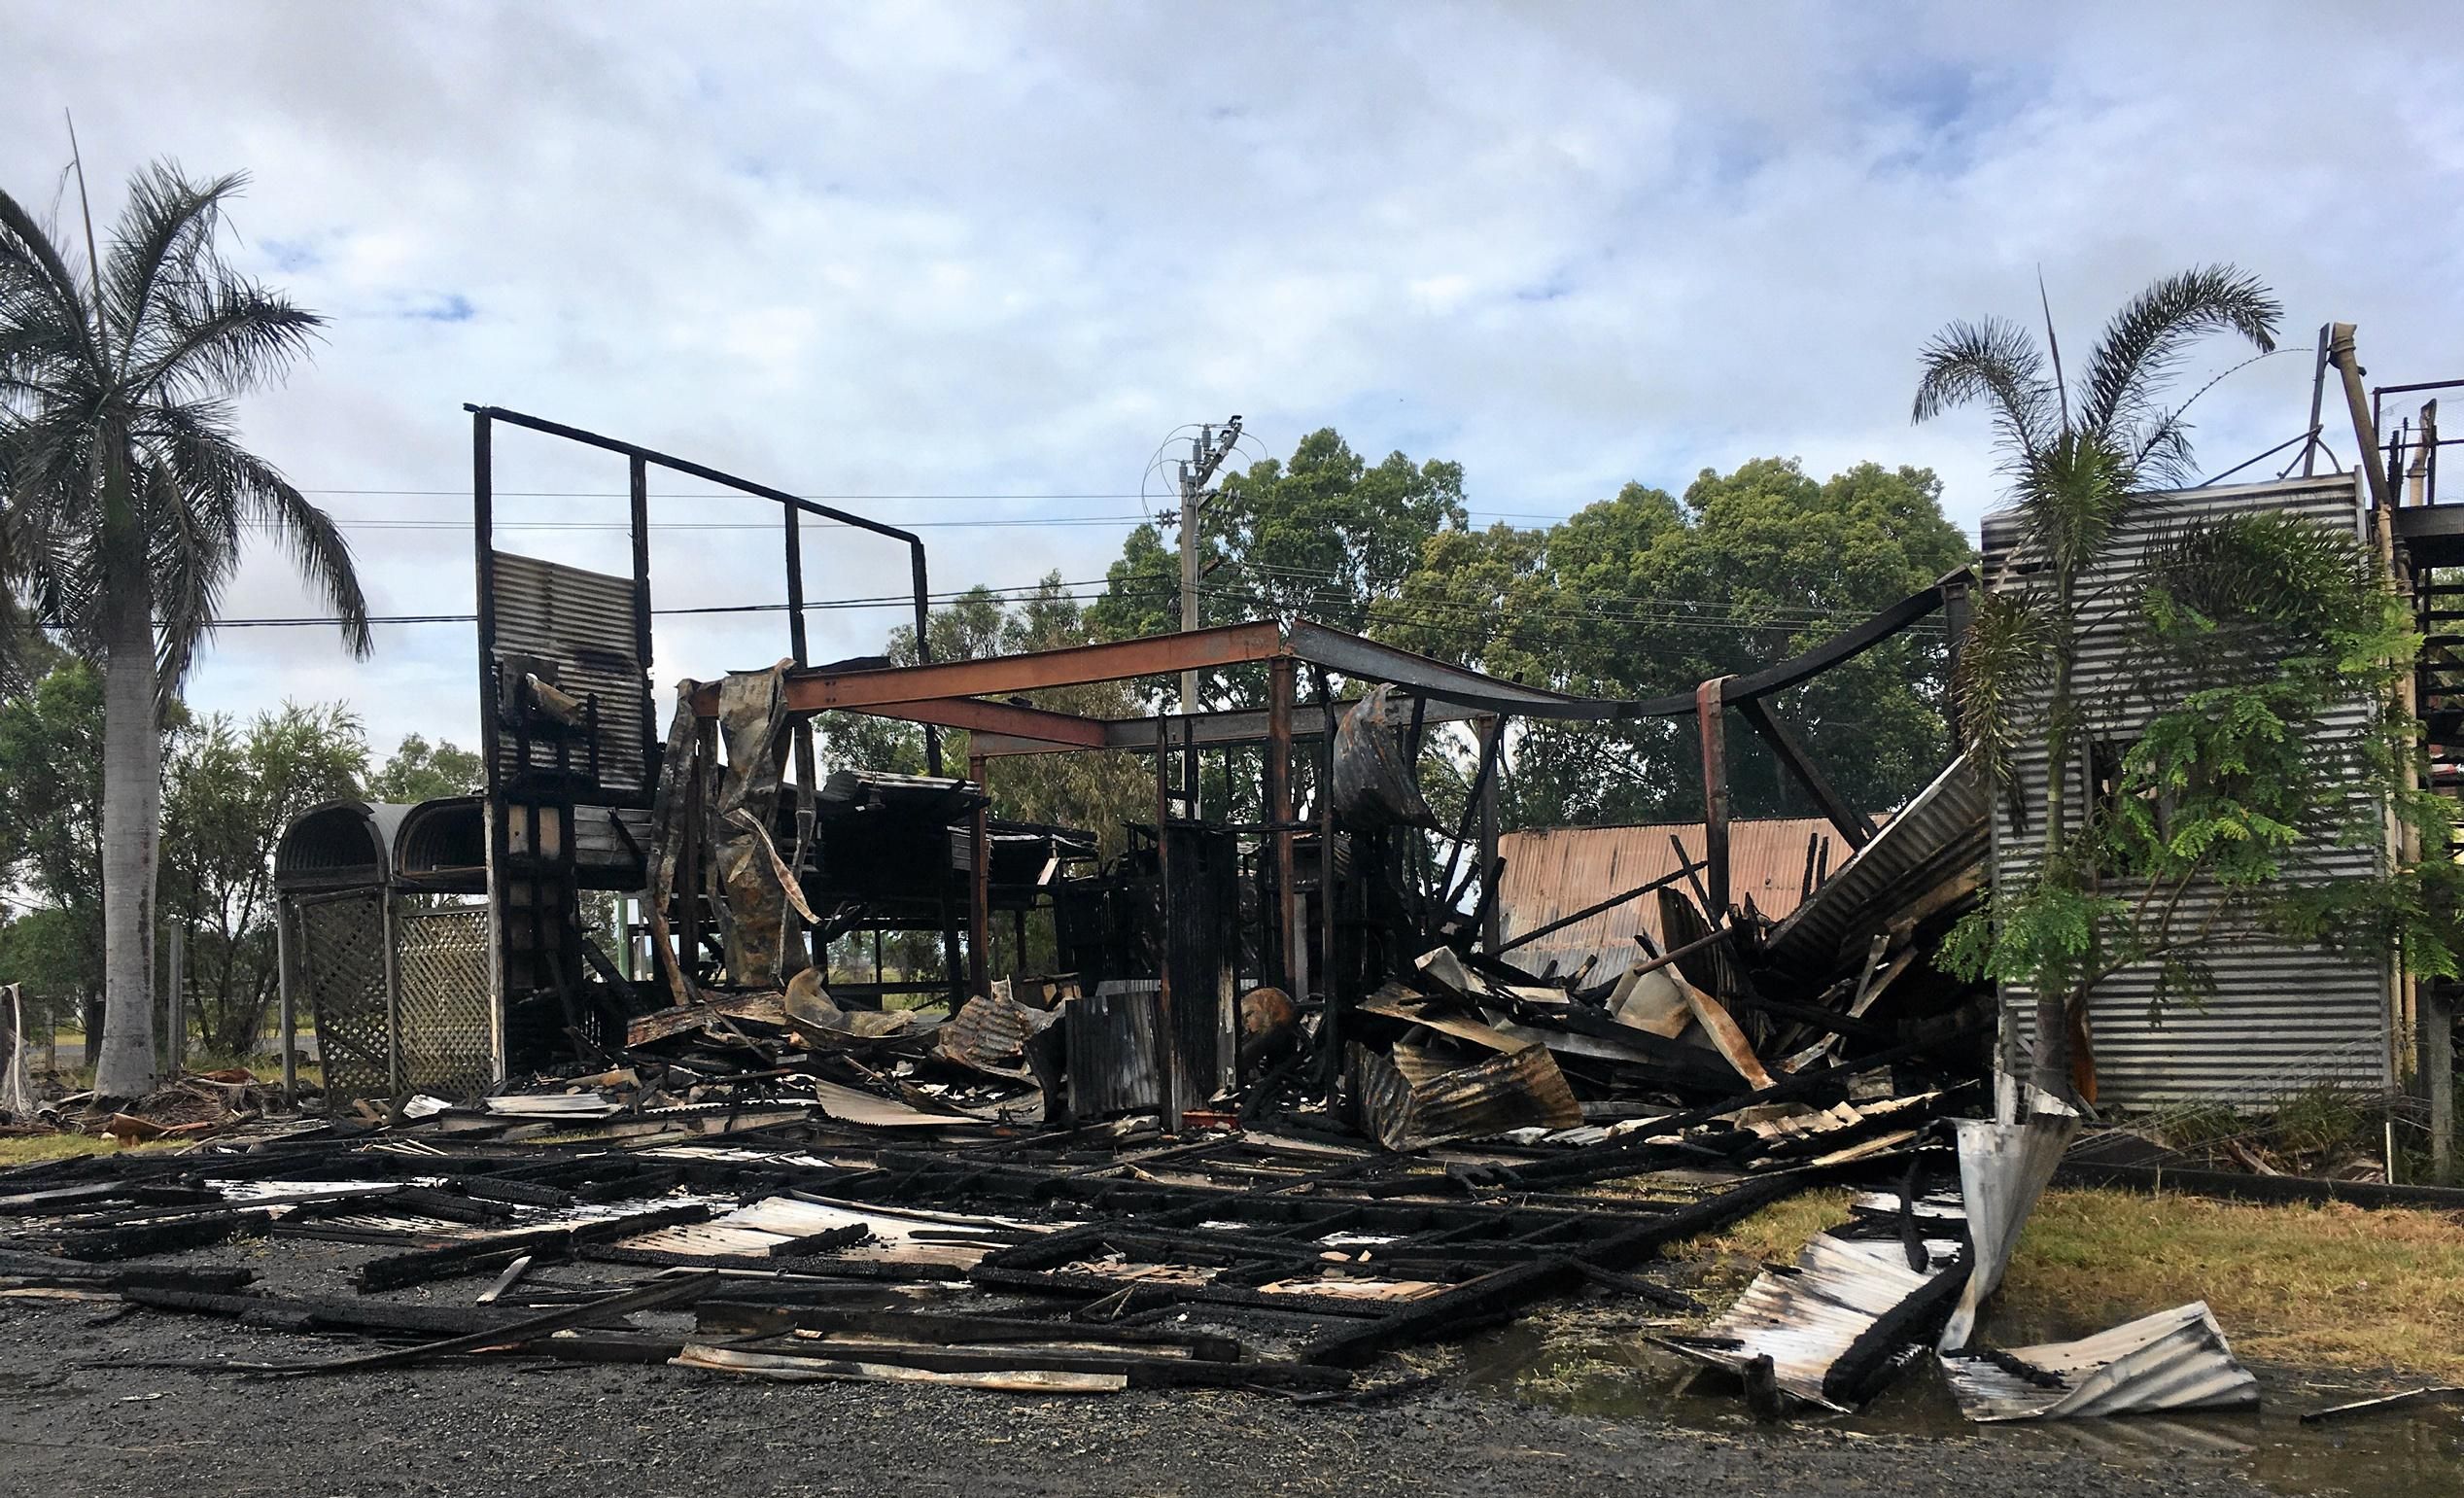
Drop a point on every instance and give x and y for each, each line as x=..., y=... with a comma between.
x=2193, y=820
x=132, y=498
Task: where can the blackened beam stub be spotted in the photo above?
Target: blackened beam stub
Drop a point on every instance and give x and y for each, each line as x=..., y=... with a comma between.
x=1711, y=719
x=1800, y=765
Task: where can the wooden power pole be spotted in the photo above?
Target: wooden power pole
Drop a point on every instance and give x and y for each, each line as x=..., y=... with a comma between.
x=1207, y=452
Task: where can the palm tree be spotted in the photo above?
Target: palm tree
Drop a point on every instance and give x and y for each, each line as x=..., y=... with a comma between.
x=2082, y=460
x=129, y=494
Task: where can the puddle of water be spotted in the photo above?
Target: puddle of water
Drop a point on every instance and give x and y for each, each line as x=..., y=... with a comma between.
x=2418, y=1453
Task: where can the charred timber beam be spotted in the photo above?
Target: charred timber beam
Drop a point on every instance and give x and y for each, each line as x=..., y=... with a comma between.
x=1800, y=765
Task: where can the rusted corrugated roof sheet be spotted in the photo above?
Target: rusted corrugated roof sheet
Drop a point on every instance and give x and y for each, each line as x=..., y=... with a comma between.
x=1551, y=872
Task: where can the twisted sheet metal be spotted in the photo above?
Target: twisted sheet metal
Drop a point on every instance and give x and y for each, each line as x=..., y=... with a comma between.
x=1806, y=1318
x=2172, y=1359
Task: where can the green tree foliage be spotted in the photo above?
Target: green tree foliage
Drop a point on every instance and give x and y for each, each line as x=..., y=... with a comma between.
x=421, y=771
x=50, y=832
x=1325, y=535
x=2215, y=772
x=1638, y=595
x=1097, y=792
x=228, y=792
x=129, y=494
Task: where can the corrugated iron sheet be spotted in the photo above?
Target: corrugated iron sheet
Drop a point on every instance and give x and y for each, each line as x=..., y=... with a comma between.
x=1932, y=837
x=583, y=622
x=2172, y=1359
x=1409, y=1101
x=1111, y=1037
x=2283, y=1018
x=2004, y=1168
x=1551, y=872
x=1805, y=1319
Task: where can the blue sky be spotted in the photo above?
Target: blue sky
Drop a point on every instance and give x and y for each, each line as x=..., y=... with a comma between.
x=991, y=256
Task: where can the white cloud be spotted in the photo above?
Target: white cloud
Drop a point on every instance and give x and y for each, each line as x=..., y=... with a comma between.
x=969, y=249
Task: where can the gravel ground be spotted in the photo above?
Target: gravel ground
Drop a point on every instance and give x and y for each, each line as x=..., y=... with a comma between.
x=496, y=1428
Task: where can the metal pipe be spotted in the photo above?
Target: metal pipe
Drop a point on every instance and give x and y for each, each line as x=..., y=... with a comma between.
x=1279, y=674
x=924, y=641
x=1167, y=1040
x=285, y=1006
x=687, y=466
x=1493, y=736
x=1614, y=901
x=980, y=884
x=2364, y=430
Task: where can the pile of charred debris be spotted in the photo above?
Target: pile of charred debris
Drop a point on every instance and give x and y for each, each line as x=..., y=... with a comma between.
x=764, y=1181
x=1292, y=1107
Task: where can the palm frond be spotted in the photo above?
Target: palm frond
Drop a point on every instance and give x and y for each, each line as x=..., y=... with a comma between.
x=196, y=442
x=162, y=245
x=2004, y=664
x=1994, y=361
x=222, y=333
x=36, y=284
x=2145, y=340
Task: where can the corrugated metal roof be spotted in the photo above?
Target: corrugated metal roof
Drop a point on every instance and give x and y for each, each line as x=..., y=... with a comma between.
x=2283, y=1018
x=1935, y=836
x=1551, y=872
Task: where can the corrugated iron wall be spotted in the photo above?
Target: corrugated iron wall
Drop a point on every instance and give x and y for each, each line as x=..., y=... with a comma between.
x=581, y=621
x=2283, y=1018
x=1551, y=872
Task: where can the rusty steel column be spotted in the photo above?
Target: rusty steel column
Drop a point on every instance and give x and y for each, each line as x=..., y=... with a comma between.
x=1711, y=721
x=1279, y=674
x=980, y=882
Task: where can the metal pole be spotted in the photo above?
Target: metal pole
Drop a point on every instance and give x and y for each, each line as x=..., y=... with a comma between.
x=282, y=995
x=2438, y=1073
x=176, y=1043
x=1167, y=1040
x=1280, y=673
x=924, y=657
x=978, y=883
x=1492, y=733
x=2318, y=399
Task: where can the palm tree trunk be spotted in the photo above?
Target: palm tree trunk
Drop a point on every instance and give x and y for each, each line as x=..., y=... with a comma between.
x=132, y=797
x=2049, y=1070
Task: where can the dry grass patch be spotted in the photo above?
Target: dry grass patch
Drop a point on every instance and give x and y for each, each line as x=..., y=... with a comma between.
x=2329, y=1286
x=31, y=1148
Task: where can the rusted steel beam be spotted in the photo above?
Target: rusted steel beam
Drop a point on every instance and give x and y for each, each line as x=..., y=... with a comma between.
x=1800, y=765
x=1120, y=660
x=1039, y=729
x=1711, y=716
